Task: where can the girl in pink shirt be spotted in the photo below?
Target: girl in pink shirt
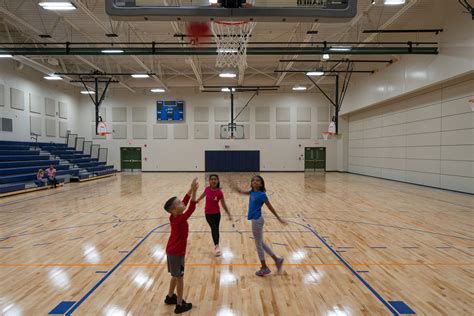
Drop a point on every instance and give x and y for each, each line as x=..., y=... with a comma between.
x=214, y=195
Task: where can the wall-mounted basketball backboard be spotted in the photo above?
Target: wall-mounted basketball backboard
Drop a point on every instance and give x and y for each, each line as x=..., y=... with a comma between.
x=261, y=10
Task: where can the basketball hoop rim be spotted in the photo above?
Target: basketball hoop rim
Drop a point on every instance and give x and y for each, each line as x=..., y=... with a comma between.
x=232, y=23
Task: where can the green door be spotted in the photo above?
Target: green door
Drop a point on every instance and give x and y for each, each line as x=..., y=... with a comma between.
x=315, y=158
x=131, y=158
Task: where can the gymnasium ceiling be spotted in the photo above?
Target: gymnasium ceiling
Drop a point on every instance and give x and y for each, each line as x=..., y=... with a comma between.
x=24, y=21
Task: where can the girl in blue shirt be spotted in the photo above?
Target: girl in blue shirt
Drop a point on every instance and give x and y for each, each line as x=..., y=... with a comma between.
x=257, y=198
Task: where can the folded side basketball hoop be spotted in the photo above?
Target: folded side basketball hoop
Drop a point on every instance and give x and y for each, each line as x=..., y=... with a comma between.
x=102, y=129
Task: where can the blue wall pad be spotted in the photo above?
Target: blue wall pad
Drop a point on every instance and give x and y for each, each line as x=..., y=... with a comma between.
x=62, y=308
x=402, y=308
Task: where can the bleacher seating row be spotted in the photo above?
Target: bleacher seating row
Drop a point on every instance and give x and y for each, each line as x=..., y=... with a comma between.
x=20, y=161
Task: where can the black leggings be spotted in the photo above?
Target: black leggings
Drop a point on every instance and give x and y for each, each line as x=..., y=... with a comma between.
x=213, y=220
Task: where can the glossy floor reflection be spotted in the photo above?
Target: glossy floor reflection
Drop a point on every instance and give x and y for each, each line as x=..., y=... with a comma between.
x=354, y=246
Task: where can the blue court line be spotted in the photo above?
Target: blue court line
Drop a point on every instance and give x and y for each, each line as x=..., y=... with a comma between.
x=402, y=308
x=105, y=277
x=61, y=308
x=348, y=266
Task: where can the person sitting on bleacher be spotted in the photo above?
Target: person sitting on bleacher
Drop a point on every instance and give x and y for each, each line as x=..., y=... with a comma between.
x=40, y=180
x=52, y=175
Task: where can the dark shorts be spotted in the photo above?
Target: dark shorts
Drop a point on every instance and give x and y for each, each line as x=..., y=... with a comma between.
x=175, y=265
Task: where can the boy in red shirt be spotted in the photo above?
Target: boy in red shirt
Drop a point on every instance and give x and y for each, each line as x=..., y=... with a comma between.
x=176, y=247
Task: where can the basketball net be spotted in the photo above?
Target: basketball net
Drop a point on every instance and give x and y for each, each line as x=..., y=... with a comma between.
x=231, y=40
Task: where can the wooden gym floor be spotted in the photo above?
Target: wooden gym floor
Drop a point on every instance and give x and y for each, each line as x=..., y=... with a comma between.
x=354, y=245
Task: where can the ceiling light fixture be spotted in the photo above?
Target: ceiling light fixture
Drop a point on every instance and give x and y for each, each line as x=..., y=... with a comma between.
x=228, y=74
x=53, y=77
x=112, y=51
x=57, y=6
x=140, y=75
x=157, y=90
x=315, y=73
x=394, y=2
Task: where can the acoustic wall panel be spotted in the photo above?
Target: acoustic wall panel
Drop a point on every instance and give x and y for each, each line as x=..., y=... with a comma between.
x=221, y=114
x=201, y=131
x=323, y=113
x=17, y=99
x=50, y=127
x=139, y=114
x=303, y=131
x=36, y=103
x=50, y=107
x=283, y=114
x=160, y=131
x=119, y=131
x=63, y=110
x=119, y=114
x=262, y=114
x=201, y=114
x=303, y=114
x=36, y=125
x=6, y=124
x=262, y=131
x=62, y=129
x=283, y=131
x=2, y=95
x=139, y=131
x=180, y=131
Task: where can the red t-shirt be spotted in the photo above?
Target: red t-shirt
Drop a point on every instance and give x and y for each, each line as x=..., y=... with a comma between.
x=212, y=200
x=179, y=230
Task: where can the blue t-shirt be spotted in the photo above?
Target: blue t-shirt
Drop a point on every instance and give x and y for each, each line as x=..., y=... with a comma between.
x=256, y=201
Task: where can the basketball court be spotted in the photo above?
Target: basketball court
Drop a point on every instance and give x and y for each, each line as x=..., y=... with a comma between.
x=359, y=115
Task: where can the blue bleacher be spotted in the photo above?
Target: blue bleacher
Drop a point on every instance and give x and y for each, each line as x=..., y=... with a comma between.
x=19, y=162
x=24, y=170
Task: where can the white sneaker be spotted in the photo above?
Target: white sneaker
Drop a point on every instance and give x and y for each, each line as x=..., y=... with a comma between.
x=217, y=250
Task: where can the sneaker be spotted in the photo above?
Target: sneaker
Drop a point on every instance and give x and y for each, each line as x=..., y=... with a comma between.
x=263, y=272
x=171, y=300
x=279, y=264
x=217, y=250
x=184, y=307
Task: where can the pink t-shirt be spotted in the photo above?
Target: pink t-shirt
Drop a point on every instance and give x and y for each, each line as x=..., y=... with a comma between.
x=51, y=172
x=212, y=200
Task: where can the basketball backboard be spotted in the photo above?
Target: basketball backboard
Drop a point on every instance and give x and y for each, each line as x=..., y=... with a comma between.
x=261, y=10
